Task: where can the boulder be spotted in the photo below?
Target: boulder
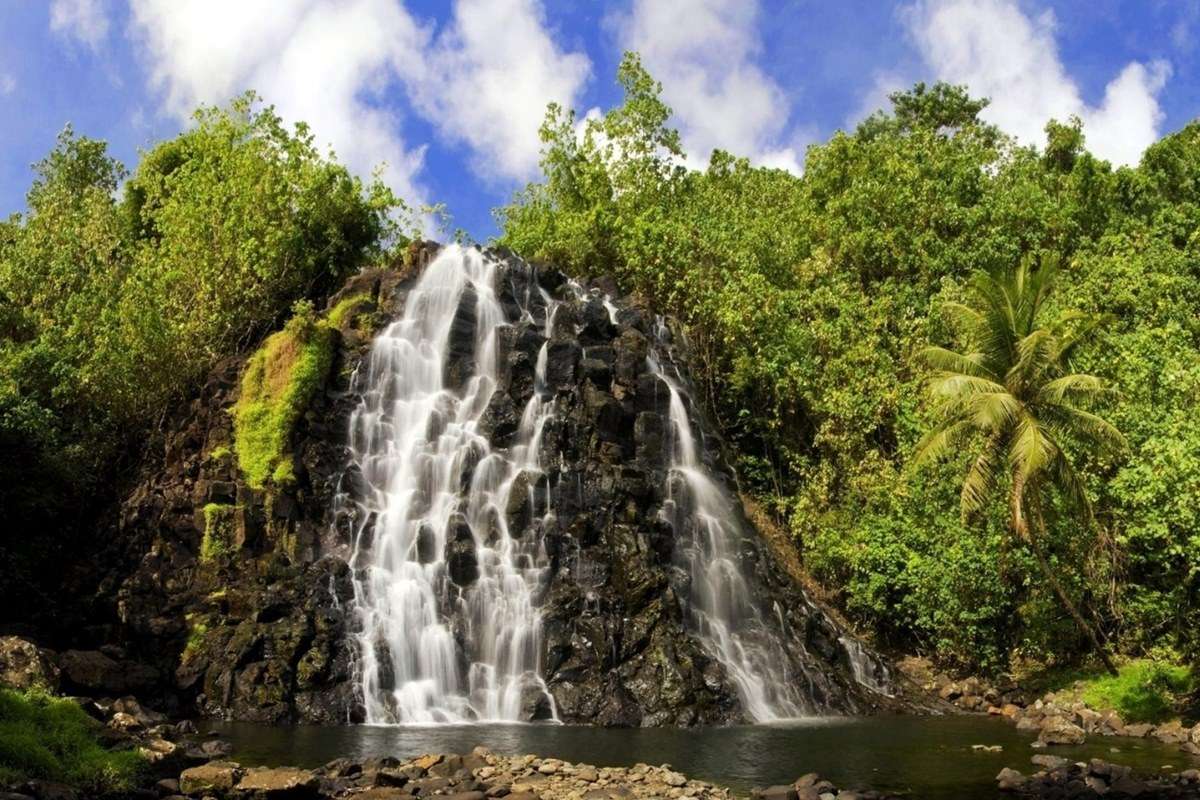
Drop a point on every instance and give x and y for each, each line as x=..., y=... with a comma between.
x=1171, y=732
x=215, y=776
x=1009, y=780
x=1059, y=730
x=93, y=672
x=278, y=783
x=23, y=665
x=775, y=793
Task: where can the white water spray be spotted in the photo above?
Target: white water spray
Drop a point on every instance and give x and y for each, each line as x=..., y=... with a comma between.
x=444, y=591
x=719, y=601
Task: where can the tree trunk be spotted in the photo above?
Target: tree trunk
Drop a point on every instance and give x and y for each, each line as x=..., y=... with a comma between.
x=1021, y=527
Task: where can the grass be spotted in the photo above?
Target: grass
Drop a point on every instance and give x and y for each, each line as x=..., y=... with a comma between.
x=50, y=738
x=218, y=531
x=1143, y=690
x=279, y=383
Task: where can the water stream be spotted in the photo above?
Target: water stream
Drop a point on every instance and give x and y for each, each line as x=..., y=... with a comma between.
x=448, y=578
x=437, y=567
x=718, y=599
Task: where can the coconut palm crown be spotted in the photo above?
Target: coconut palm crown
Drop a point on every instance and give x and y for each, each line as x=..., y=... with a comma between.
x=1012, y=397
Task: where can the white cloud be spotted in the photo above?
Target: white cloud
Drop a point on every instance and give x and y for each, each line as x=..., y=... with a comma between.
x=702, y=52
x=325, y=62
x=999, y=52
x=488, y=78
x=339, y=65
x=8, y=84
x=84, y=20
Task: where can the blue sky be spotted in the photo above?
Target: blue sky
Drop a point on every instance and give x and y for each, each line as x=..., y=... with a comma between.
x=449, y=95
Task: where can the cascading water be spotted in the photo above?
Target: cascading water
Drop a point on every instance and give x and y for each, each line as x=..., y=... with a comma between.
x=444, y=592
x=718, y=599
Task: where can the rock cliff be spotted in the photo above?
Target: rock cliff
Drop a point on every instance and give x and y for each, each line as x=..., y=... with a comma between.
x=260, y=628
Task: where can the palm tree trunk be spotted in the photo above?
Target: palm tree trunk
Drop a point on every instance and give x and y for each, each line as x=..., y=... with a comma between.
x=1019, y=503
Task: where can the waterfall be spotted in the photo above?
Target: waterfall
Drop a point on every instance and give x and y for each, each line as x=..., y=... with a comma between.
x=445, y=593
x=719, y=601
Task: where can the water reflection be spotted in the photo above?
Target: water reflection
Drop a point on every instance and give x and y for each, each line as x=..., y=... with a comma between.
x=928, y=757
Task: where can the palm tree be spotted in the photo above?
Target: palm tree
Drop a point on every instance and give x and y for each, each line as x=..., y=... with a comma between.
x=1013, y=396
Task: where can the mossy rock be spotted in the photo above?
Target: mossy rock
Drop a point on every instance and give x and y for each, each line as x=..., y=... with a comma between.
x=279, y=383
x=219, y=531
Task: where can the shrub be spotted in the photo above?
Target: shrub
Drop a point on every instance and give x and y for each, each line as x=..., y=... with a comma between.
x=50, y=738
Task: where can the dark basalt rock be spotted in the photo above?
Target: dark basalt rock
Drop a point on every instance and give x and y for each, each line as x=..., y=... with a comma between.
x=263, y=633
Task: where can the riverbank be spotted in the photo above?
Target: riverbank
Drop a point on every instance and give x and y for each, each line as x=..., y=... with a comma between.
x=1056, y=717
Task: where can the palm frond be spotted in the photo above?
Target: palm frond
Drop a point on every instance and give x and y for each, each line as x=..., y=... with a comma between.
x=981, y=479
x=994, y=411
x=962, y=316
x=1085, y=427
x=940, y=441
x=1035, y=355
x=947, y=361
x=1031, y=448
x=1074, y=386
x=957, y=387
x=1070, y=483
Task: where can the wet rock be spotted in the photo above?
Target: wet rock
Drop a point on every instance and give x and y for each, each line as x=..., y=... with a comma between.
x=461, y=562
x=562, y=357
x=1010, y=780
x=461, y=340
x=167, y=786
x=49, y=790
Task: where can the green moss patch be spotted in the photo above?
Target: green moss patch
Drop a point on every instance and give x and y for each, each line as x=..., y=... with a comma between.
x=197, y=630
x=346, y=308
x=50, y=738
x=218, y=531
x=279, y=383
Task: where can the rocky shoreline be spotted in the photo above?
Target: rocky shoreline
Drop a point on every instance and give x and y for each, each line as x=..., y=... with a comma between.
x=1059, y=777
x=1056, y=718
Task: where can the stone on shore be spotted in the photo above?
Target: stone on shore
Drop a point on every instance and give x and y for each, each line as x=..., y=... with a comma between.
x=278, y=783
x=215, y=776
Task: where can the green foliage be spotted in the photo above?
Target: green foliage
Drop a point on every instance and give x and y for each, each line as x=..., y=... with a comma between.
x=218, y=531
x=112, y=309
x=1012, y=400
x=1143, y=690
x=807, y=299
x=279, y=383
x=51, y=738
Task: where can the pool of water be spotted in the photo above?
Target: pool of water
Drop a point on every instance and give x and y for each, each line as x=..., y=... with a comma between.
x=926, y=757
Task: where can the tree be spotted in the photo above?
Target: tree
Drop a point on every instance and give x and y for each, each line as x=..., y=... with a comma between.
x=1014, y=396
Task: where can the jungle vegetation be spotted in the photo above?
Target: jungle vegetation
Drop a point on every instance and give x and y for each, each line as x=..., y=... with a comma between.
x=831, y=315
x=828, y=312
